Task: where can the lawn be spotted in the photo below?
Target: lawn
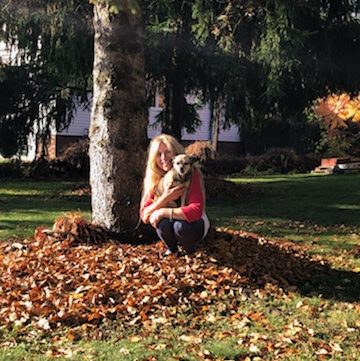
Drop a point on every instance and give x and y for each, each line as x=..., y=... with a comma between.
x=25, y=205
x=321, y=211
x=249, y=313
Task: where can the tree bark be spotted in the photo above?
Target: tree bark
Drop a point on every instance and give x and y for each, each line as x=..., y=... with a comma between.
x=178, y=102
x=118, y=131
x=216, y=115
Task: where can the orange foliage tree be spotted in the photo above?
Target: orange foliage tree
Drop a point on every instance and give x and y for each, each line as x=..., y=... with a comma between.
x=336, y=110
x=340, y=117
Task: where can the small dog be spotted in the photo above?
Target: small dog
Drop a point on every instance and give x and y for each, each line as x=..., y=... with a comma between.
x=179, y=174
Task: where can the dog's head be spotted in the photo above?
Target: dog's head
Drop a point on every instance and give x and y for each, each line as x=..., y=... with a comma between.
x=182, y=164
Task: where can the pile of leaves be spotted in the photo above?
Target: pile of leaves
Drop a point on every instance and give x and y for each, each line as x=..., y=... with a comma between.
x=204, y=150
x=66, y=276
x=73, y=229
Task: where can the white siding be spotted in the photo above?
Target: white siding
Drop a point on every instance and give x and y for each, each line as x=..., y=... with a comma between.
x=7, y=55
x=229, y=135
x=202, y=133
x=204, y=130
x=153, y=131
x=79, y=126
x=81, y=122
x=31, y=151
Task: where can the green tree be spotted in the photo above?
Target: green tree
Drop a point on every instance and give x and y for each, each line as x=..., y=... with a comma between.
x=257, y=62
x=52, y=45
x=53, y=42
x=171, y=56
x=286, y=54
x=303, y=49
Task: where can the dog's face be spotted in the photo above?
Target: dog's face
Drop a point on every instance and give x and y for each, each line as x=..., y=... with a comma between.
x=182, y=164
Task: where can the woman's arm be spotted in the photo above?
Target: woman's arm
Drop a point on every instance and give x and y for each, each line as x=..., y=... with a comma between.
x=170, y=213
x=191, y=212
x=194, y=209
x=168, y=196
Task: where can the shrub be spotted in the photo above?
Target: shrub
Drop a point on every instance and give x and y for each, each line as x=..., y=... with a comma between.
x=224, y=164
x=77, y=157
x=203, y=150
x=275, y=160
x=11, y=169
x=279, y=160
x=73, y=163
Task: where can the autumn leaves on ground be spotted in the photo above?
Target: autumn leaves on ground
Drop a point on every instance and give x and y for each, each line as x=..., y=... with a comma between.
x=242, y=296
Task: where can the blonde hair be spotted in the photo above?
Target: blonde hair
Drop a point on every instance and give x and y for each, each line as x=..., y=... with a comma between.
x=153, y=173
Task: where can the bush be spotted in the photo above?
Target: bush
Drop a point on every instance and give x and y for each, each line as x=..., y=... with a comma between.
x=201, y=149
x=12, y=169
x=275, y=160
x=224, y=164
x=73, y=163
x=279, y=160
x=77, y=157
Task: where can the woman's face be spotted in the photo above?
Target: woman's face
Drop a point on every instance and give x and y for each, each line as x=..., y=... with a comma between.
x=164, y=158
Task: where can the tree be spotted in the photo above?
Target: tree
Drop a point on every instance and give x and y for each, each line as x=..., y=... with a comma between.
x=118, y=122
x=118, y=125
x=52, y=46
x=339, y=118
x=263, y=61
x=291, y=53
x=171, y=55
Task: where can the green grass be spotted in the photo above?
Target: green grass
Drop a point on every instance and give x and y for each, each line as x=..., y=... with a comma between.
x=320, y=212
x=25, y=205
x=321, y=200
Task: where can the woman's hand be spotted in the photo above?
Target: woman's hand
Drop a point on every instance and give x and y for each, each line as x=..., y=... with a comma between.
x=157, y=216
x=146, y=216
x=164, y=200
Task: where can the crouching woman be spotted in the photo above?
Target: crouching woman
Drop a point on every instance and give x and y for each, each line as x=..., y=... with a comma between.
x=184, y=225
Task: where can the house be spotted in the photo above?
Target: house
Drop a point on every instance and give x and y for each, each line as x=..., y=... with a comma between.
x=79, y=127
x=5, y=53
x=228, y=141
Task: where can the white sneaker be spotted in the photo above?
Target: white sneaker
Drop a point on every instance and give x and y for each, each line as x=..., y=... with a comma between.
x=168, y=252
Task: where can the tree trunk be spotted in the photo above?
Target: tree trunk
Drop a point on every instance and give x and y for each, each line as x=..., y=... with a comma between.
x=178, y=102
x=216, y=115
x=119, y=119
x=174, y=110
x=173, y=121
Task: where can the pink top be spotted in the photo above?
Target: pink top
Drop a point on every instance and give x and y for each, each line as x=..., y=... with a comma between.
x=194, y=209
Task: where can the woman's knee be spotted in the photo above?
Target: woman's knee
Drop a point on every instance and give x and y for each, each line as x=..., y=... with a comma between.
x=182, y=229
x=193, y=230
x=164, y=227
x=186, y=235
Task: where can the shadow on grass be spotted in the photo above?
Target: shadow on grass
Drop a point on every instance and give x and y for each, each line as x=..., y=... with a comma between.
x=23, y=224
x=285, y=264
x=41, y=204
x=319, y=200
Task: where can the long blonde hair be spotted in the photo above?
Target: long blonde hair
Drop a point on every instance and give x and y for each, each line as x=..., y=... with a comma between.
x=153, y=173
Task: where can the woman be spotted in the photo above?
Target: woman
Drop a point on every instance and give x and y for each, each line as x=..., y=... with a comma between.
x=183, y=225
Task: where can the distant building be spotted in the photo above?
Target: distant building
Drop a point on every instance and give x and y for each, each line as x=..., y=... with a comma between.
x=79, y=127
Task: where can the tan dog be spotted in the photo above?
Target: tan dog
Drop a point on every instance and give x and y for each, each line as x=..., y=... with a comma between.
x=179, y=174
